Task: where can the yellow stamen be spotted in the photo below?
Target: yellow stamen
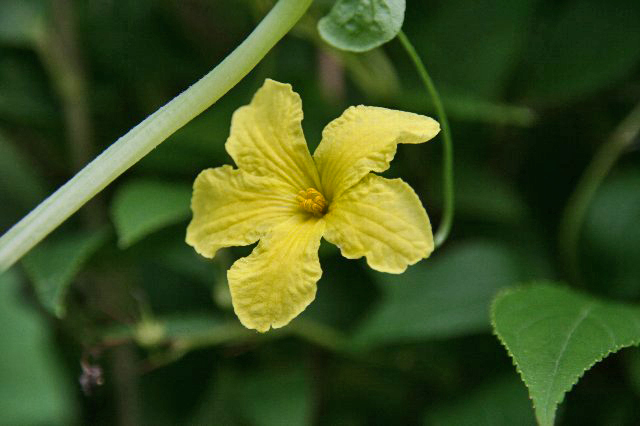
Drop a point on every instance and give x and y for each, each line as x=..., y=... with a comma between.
x=312, y=201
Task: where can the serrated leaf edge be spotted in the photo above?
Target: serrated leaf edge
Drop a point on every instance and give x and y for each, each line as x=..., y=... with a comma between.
x=539, y=284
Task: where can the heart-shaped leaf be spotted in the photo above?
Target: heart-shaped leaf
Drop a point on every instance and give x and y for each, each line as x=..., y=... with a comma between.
x=555, y=334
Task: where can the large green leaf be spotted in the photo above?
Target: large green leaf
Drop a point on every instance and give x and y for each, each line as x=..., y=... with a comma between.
x=555, y=334
x=141, y=207
x=442, y=297
x=33, y=389
x=501, y=402
x=53, y=264
x=361, y=25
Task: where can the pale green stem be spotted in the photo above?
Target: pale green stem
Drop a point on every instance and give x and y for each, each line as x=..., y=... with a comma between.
x=140, y=140
x=447, y=167
x=593, y=176
x=58, y=49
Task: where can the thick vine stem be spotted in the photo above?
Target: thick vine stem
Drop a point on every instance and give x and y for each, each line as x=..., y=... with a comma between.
x=447, y=168
x=140, y=140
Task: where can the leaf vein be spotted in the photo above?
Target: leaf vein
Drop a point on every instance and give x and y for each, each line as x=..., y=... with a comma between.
x=581, y=317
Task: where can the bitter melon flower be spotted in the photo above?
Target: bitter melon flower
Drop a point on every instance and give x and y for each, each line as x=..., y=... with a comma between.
x=288, y=200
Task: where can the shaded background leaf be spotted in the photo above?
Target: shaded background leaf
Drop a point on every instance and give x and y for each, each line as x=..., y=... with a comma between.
x=288, y=389
x=501, y=402
x=144, y=206
x=611, y=236
x=584, y=47
x=472, y=47
x=54, y=263
x=34, y=389
x=445, y=297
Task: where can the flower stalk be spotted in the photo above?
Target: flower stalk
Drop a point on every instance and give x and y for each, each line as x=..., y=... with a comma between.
x=143, y=138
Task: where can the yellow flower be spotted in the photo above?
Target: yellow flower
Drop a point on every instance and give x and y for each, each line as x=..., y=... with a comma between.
x=289, y=200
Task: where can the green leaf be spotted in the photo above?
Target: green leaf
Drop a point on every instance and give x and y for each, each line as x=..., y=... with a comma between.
x=555, y=334
x=586, y=46
x=361, y=25
x=53, y=265
x=442, y=297
x=502, y=402
x=33, y=388
x=141, y=207
x=21, y=21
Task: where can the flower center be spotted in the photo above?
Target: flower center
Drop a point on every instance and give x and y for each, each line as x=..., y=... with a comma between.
x=312, y=201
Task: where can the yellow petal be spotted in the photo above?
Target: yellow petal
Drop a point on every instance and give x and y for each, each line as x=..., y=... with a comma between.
x=277, y=281
x=364, y=139
x=233, y=208
x=383, y=220
x=266, y=137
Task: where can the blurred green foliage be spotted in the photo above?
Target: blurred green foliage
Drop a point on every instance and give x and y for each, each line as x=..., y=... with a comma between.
x=532, y=87
x=35, y=390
